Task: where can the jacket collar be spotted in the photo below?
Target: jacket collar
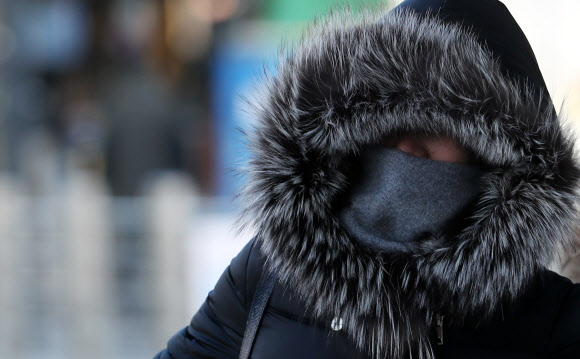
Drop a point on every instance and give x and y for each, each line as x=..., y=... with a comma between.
x=354, y=79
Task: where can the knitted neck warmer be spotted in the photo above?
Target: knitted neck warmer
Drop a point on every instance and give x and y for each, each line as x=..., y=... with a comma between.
x=399, y=197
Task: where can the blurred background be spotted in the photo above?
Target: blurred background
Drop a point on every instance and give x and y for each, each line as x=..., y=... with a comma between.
x=118, y=143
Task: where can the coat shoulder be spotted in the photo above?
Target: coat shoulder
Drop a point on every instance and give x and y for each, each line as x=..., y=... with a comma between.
x=544, y=320
x=245, y=271
x=217, y=329
x=565, y=332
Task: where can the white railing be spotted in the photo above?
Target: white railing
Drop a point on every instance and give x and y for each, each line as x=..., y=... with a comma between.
x=87, y=275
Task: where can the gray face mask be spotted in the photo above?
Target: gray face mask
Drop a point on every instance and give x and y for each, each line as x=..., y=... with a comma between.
x=400, y=197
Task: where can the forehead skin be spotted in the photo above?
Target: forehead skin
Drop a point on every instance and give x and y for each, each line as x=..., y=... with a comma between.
x=435, y=148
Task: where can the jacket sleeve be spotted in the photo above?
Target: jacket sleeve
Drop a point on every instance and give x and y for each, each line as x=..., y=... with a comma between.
x=565, y=338
x=217, y=329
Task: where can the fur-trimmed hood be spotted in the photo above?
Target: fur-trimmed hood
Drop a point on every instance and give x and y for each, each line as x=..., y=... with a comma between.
x=356, y=78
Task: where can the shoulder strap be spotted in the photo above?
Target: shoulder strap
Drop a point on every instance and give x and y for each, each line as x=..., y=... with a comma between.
x=261, y=298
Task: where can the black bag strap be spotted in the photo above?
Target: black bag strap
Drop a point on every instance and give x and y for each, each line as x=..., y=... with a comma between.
x=261, y=298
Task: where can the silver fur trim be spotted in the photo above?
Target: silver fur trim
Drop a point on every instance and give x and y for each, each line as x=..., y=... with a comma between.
x=353, y=79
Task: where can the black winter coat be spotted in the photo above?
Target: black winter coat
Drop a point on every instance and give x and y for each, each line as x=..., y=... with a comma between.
x=544, y=323
x=453, y=67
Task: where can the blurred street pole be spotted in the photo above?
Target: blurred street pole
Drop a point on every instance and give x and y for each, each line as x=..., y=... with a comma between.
x=11, y=308
x=171, y=201
x=89, y=266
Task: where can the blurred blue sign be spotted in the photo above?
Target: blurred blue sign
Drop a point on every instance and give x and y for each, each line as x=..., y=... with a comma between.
x=51, y=34
x=236, y=67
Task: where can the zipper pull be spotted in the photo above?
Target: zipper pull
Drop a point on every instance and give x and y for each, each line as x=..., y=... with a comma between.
x=440, y=329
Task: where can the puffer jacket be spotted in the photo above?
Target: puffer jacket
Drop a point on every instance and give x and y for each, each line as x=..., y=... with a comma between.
x=449, y=67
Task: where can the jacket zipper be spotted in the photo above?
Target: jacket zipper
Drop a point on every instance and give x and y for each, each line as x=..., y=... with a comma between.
x=440, y=318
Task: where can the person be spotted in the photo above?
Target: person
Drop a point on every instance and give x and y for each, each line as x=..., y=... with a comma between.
x=410, y=182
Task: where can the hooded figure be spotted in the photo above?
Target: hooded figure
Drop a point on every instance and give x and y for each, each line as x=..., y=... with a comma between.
x=379, y=254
